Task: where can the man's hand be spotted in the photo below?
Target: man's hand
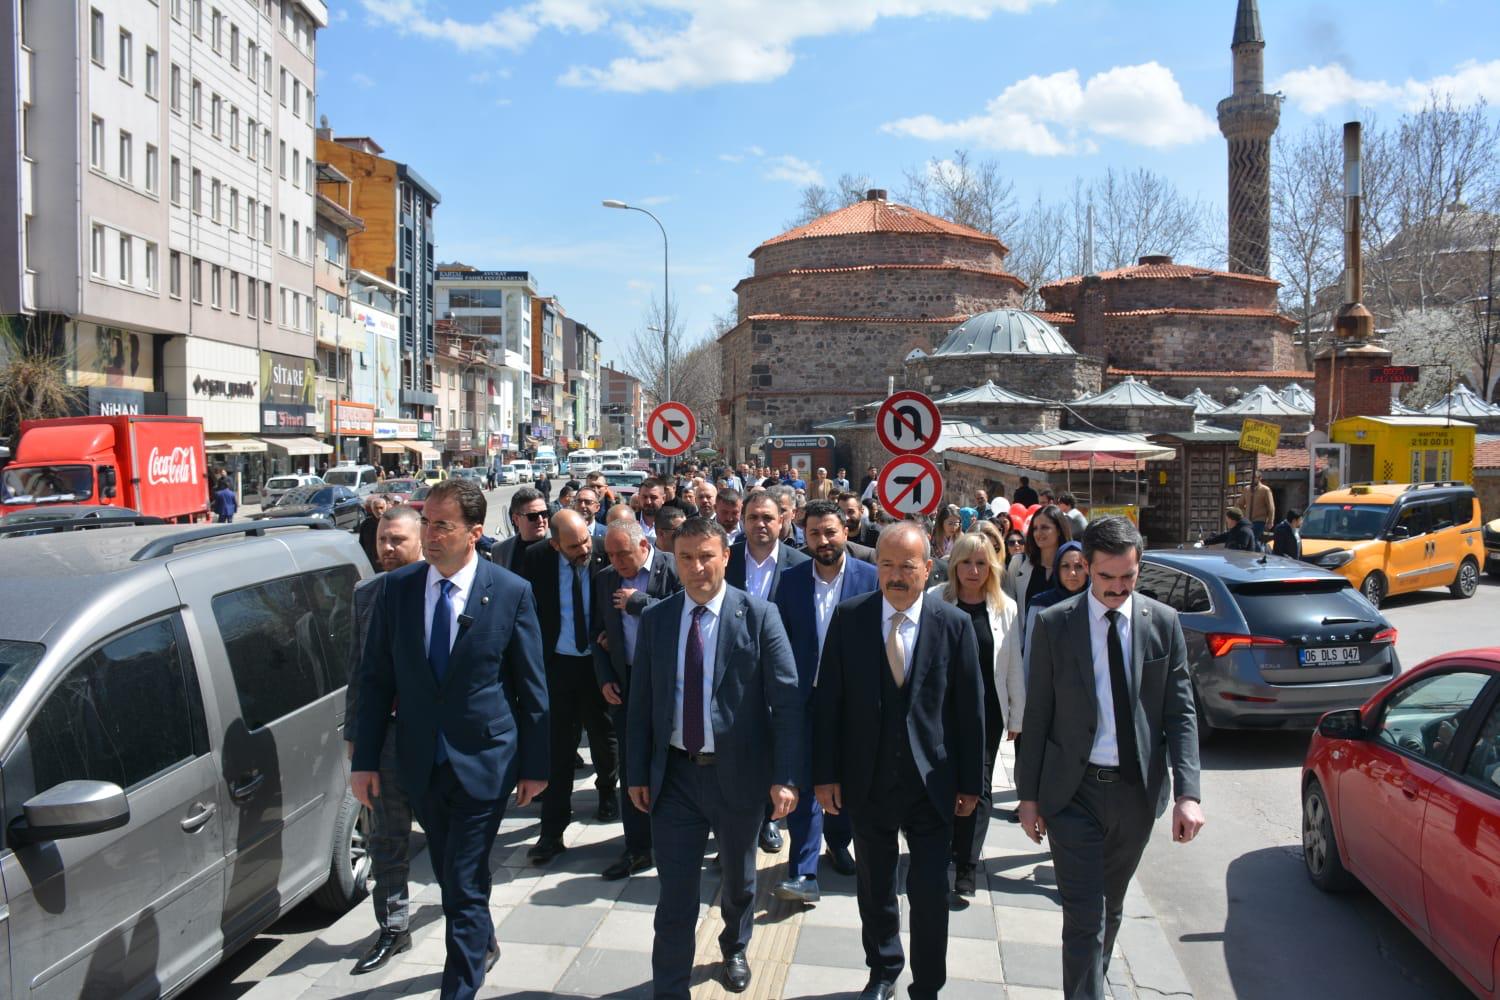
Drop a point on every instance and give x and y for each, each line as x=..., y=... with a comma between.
x=640, y=797
x=1011, y=736
x=830, y=797
x=348, y=749
x=965, y=804
x=622, y=596
x=366, y=786
x=1032, y=823
x=1187, y=820
x=611, y=692
x=528, y=789
x=783, y=800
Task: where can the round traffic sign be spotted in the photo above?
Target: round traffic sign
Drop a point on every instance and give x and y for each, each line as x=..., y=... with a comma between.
x=908, y=423
x=671, y=429
x=910, y=484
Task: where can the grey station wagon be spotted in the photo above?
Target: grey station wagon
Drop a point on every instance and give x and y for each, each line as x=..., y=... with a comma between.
x=171, y=766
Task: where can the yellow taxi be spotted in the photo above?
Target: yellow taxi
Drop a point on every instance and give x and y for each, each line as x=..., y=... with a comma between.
x=1395, y=538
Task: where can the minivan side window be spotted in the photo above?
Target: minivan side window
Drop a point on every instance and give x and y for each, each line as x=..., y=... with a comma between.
x=275, y=654
x=1413, y=518
x=124, y=713
x=332, y=593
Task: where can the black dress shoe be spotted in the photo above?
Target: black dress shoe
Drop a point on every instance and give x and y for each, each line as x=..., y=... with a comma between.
x=842, y=860
x=491, y=955
x=878, y=991
x=386, y=947
x=545, y=850
x=629, y=864
x=736, y=973
x=609, y=807
x=802, y=889
x=963, y=880
x=770, y=837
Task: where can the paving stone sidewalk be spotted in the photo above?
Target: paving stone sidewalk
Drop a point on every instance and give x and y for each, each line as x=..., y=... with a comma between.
x=566, y=932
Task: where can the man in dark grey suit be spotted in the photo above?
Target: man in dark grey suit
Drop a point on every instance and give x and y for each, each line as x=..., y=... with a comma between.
x=637, y=577
x=529, y=516
x=1108, y=701
x=398, y=542
x=715, y=730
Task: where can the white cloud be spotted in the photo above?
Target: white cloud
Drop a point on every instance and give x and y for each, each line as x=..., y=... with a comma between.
x=792, y=170
x=676, y=44
x=339, y=16
x=1317, y=89
x=363, y=80
x=651, y=201
x=1056, y=115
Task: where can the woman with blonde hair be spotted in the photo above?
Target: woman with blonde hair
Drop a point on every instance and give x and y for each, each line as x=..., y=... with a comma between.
x=994, y=536
x=974, y=586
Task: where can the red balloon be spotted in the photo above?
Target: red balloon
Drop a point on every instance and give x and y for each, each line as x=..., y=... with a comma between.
x=1026, y=527
x=1033, y=509
x=1017, y=509
x=1016, y=522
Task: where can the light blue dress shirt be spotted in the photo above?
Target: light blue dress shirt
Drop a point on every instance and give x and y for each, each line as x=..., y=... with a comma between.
x=565, y=644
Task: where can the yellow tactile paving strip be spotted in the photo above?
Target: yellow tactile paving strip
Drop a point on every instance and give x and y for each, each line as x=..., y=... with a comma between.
x=772, y=945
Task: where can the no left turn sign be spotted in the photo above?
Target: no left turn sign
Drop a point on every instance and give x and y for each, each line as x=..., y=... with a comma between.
x=671, y=429
x=910, y=484
x=908, y=423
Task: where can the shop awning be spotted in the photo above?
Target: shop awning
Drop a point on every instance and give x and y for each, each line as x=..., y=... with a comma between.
x=424, y=451
x=392, y=447
x=232, y=445
x=299, y=445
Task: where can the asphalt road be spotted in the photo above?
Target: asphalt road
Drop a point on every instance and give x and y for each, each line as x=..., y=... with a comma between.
x=1237, y=905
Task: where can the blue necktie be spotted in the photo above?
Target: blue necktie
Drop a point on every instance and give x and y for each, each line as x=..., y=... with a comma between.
x=438, y=648
x=692, y=686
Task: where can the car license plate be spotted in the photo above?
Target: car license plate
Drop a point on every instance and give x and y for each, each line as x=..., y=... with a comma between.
x=1328, y=655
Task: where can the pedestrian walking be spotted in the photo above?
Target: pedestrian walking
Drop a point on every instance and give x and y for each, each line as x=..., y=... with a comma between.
x=224, y=503
x=1259, y=506
x=1288, y=535
x=1239, y=536
x=1068, y=504
x=1092, y=758
x=458, y=758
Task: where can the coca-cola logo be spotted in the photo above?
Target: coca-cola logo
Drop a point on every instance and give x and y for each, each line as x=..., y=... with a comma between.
x=171, y=467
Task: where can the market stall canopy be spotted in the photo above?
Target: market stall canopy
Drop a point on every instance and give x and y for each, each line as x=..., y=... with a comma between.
x=1105, y=447
x=232, y=445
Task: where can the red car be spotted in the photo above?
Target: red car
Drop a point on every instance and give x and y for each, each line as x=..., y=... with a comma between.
x=1403, y=795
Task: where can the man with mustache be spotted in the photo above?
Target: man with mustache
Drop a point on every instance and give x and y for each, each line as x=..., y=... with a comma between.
x=1091, y=761
x=898, y=740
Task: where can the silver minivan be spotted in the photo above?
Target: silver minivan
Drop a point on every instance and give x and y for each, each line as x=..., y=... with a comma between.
x=171, y=766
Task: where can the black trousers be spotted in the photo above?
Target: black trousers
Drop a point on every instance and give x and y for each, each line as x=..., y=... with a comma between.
x=1097, y=840
x=576, y=706
x=969, y=831
x=907, y=810
x=636, y=823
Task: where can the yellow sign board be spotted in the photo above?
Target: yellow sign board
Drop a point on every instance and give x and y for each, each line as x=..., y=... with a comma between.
x=1126, y=511
x=1259, y=435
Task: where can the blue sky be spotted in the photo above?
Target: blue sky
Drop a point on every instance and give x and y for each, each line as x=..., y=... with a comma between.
x=714, y=113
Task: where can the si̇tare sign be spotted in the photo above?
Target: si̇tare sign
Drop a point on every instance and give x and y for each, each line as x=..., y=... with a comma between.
x=908, y=423
x=671, y=429
x=910, y=484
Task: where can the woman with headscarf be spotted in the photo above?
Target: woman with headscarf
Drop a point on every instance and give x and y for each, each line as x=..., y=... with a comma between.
x=974, y=587
x=1070, y=571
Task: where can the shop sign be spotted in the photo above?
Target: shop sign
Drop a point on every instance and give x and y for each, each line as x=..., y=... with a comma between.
x=106, y=402
x=386, y=430
x=424, y=430
x=288, y=380
x=346, y=419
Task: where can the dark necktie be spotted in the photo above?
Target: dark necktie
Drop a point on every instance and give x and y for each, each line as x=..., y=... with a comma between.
x=692, y=686
x=1120, y=687
x=580, y=615
x=439, y=645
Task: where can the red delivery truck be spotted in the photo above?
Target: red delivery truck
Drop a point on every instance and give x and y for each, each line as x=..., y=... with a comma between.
x=154, y=465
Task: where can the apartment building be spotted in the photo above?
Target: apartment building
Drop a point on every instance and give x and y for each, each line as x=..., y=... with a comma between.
x=496, y=306
x=581, y=365
x=158, y=163
x=625, y=406
x=548, y=377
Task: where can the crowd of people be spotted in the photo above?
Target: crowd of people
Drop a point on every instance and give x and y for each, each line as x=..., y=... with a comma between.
x=751, y=653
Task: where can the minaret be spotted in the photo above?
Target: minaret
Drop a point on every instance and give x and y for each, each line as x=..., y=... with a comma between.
x=1247, y=118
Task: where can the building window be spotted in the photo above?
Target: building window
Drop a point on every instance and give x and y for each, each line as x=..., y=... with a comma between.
x=197, y=17
x=216, y=276
x=197, y=191
x=125, y=156
x=153, y=168
x=265, y=144
x=307, y=234
x=250, y=217
x=283, y=87
x=96, y=142
x=126, y=253
x=218, y=30
x=96, y=37
x=296, y=240
x=177, y=11
x=296, y=97
x=234, y=46
x=174, y=274
x=265, y=301
x=234, y=292
x=281, y=233
x=197, y=99
x=265, y=76
x=309, y=164
x=285, y=308
x=250, y=144
x=234, y=127
x=197, y=281
x=151, y=266
x=216, y=116
x=234, y=210
x=215, y=190
x=127, y=56
x=96, y=252
x=250, y=298
x=265, y=230
x=176, y=84
x=296, y=168
x=252, y=60
x=283, y=158
x=152, y=72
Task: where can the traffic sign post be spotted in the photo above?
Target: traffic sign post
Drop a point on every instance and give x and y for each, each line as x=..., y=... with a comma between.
x=671, y=429
x=908, y=423
x=910, y=484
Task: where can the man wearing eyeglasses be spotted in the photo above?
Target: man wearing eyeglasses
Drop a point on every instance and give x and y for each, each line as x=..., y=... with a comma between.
x=586, y=502
x=528, y=518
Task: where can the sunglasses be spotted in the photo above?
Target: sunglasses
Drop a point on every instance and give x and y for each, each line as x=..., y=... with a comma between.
x=1016, y=543
x=535, y=515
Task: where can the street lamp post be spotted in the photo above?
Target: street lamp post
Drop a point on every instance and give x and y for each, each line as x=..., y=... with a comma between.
x=666, y=303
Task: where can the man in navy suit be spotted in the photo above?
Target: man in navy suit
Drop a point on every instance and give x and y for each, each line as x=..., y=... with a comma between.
x=899, y=743
x=808, y=595
x=456, y=640
x=715, y=729
x=756, y=563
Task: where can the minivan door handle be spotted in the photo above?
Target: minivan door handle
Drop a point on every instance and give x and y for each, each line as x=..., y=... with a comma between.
x=195, y=822
x=246, y=787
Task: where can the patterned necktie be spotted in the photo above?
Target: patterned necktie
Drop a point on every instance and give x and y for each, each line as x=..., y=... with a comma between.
x=1120, y=689
x=895, y=649
x=580, y=614
x=439, y=644
x=692, y=686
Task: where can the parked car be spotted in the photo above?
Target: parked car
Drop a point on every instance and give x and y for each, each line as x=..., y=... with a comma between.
x=624, y=483
x=70, y=518
x=396, y=490
x=277, y=485
x=1492, y=547
x=1392, y=538
x=1403, y=795
x=507, y=476
x=356, y=477
x=475, y=474
x=170, y=771
x=337, y=504
x=1272, y=643
x=432, y=474
x=524, y=473
x=419, y=499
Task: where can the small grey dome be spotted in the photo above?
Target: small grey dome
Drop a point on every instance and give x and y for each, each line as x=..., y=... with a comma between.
x=1004, y=331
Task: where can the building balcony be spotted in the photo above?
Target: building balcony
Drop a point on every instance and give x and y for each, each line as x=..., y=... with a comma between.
x=330, y=275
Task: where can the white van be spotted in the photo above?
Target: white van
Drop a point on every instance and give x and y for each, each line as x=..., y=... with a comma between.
x=545, y=460
x=523, y=471
x=356, y=477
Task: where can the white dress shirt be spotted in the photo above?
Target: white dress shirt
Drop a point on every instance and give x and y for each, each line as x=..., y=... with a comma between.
x=908, y=628
x=1106, y=751
x=463, y=585
x=708, y=629
x=825, y=599
x=758, y=575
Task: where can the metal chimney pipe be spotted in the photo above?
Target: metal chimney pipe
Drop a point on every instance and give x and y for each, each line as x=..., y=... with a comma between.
x=1354, y=321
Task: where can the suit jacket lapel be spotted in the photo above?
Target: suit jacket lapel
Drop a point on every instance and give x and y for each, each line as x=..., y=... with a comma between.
x=926, y=627
x=411, y=607
x=1138, y=630
x=731, y=614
